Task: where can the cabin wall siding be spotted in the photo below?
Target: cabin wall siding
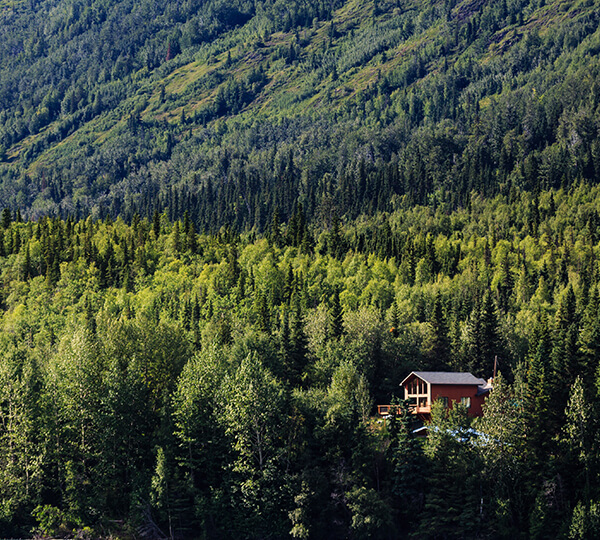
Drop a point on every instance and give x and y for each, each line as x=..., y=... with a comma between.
x=454, y=392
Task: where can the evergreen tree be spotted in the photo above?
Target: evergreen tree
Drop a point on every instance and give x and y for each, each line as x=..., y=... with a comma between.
x=261, y=309
x=565, y=355
x=439, y=351
x=589, y=337
x=6, y=218
x=536, y=399
x=483, y=338
x=452, y=501
x=336, y=322
x=408, y=460
x=274, y=233
x=578, y=440
x=156, y=224
x=335, y=241
x=298, y=344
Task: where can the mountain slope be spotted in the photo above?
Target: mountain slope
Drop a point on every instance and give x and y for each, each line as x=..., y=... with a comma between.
x=235, y=111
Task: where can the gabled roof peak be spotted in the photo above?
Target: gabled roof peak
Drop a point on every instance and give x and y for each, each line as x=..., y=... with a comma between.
x=446, y=377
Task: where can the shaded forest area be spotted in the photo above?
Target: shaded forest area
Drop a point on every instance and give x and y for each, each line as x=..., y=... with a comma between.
x=153, y=379
x=237, y=111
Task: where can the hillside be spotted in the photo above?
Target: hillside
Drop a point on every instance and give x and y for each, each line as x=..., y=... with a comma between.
x=157, y=383
x=228, y=231
x=233, y=111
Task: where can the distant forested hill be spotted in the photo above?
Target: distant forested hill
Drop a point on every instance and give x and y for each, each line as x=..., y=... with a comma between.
x=237, y=111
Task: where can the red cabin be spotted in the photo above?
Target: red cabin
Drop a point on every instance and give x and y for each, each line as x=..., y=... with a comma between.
x=422, y=388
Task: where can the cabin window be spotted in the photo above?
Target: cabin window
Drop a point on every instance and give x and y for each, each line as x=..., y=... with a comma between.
x=383, y=410
x=444, y=401
x=465, y=401
x=422, y=402
x=417, y=387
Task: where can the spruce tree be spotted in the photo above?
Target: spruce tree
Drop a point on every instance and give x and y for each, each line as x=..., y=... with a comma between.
x=439, y=351
x=589, y=337
x=452, y=501
x=537, y=425
x=408, y=460
x=261, y=309
x=336, y=322
x=298, y=342
x=6, y=218
x=565, y=357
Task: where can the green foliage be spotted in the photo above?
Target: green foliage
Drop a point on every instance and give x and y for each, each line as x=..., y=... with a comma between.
x=585, y=522
x=49, y=518
x=409, y=466
x=256, y=115
x=425, y=177
x=501, y=451
x=452, y=502
x=237, y=377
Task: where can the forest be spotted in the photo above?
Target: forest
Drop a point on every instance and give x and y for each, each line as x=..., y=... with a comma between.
x=230, y=229
x=157, y=382
x=233, y=111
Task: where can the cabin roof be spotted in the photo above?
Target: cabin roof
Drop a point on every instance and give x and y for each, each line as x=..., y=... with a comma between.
x=444, y=377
